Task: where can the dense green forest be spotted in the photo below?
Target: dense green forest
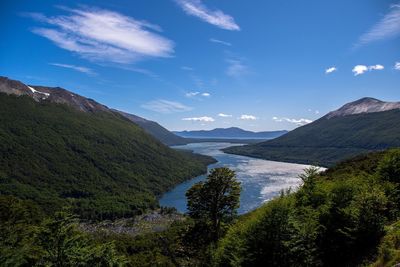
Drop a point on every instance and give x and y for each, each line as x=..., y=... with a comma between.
x=348, y=215
x=345, y=216
x=330, y=140
x=99, y=163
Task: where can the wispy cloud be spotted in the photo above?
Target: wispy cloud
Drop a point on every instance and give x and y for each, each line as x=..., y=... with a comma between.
x=330, y=70
x=165, y=106
x=186, y=68
x=236, y=68
x=76, y=68
x=248, y=117
x=103, y=35
x=197, y=94
x=361, y=69
x=298, y=122
x=223, y=115
x=220, y=42
x=201, y=119
x=215, y=17
x=387, y=27
x=397, y=66
x=313, y=111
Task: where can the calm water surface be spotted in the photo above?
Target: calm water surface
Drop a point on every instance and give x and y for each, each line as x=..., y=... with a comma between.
x=260, y=179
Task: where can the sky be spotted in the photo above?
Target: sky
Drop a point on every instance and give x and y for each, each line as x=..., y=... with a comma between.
x=202, y=64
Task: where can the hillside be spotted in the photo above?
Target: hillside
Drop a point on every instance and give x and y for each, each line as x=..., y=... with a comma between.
x=345, y=216
x=156, y=130
x=81, y=154
x=230, y=133
x=338, y=135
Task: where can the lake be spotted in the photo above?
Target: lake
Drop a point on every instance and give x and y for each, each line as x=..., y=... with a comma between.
x=260, y=179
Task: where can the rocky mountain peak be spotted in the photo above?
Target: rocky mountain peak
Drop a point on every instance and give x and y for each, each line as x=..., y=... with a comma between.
x=363, y=105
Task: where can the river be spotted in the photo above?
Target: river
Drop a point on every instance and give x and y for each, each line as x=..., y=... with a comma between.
x=260, y=179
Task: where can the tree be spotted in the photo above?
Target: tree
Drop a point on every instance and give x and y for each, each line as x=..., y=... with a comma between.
x=65, y=245
x=215, y=201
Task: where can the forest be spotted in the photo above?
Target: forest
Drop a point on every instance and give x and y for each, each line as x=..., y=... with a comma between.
x=347, y=215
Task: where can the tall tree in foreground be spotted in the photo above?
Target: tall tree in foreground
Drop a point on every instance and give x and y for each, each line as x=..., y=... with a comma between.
x=214, y=202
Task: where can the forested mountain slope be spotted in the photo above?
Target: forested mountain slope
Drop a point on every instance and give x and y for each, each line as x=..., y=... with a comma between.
x=99, y=162
x=341, y=134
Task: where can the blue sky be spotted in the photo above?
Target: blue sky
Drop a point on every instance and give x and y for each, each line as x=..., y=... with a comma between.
x=192, y=64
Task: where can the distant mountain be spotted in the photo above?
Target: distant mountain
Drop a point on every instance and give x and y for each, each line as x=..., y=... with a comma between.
x=361, y=126
x=230, y=133
x=156, y=130
x=58, y=148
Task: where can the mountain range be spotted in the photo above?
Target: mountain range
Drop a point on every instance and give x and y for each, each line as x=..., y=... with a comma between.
x=230, y=133
x=361, y=126
x=59, y=148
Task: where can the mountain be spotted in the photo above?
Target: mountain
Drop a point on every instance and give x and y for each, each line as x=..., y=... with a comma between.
x=363, y=105
x=155, y=129
x=230, y=133
x=58, y=148
x=62, y=96
x=358, y=127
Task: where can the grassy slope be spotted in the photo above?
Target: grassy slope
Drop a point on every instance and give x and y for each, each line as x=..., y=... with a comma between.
x=327, y=141
x=102, y=164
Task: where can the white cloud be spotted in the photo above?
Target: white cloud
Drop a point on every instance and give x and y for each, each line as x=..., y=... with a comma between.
x=220, y=42
x=223, y=115
x=236, y=68
x=76, y=68
x=361, y=69
x=299, y=122
x=387, y=27
x=191, y=94
x=215, y=17
x=247, y=117
x=376, y=67
x=202, y=119
x=330, y=70
x=165, y=106
x=194, y=94
x=397, y=66
x=104, y=35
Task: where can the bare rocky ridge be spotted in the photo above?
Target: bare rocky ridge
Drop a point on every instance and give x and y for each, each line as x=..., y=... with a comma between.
x=363, y=105
x=52, y=94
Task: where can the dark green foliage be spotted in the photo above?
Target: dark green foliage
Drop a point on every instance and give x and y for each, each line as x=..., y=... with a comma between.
x=101, y=164
x=389, y=249
x=214, y=202
x=64, y=245
x=336, y=218
x=328, y=141
x=29, y=239
x=19, y=223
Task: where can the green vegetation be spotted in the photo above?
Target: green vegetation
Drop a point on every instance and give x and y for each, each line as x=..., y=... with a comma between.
x=328, y=141
x=100, y=164
x=214, y=202
x=28, y=240
x=346, y=216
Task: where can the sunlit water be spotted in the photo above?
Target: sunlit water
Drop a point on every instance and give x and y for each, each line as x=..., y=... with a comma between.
x=260, y=179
